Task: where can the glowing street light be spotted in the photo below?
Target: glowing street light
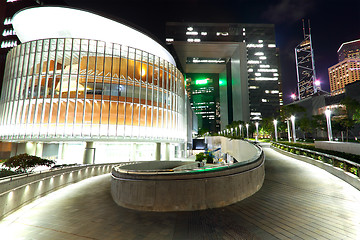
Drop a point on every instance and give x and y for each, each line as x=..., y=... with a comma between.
x=275, y=126
x=293, y=126
x=232, y=131
x=257, y=131
x=288, y=128
x=240, y=128
x=247, y=130
x=328, y=123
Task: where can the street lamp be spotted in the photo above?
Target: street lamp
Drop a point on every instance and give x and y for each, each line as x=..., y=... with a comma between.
x=275, y=126
x=232, y=131
x=247, y=130
x=240, y=128
x=293, y=126
x=328, y=123
x=257, y=131
x=288, y=128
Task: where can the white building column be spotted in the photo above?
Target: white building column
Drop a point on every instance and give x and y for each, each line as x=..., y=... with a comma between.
x=38, y=149
x=89, y=153
x=167, y=151
x=133, y=152
x=157, y=151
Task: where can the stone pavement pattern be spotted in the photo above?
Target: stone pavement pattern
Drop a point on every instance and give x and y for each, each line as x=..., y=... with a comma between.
x=297, y=201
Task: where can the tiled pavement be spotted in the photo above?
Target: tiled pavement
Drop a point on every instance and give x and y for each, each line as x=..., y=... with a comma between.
x=297, y=201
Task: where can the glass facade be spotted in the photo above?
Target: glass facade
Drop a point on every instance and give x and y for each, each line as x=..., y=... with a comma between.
x=89, y=89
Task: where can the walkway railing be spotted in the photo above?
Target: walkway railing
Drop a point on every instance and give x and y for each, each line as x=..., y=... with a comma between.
x=18, y=190
x=335, y=161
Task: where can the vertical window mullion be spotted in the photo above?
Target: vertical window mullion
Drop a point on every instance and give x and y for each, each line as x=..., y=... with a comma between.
x=53, y=86
x=86, y=86
x=60, y=88
x=77, y=89
x=68, y=88
x=102, y=88
x=94, y=90
x=111, y=83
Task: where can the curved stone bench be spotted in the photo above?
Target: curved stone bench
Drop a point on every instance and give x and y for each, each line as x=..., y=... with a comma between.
x=185, y=190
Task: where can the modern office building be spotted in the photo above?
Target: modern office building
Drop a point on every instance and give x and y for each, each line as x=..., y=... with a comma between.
x=347, y=70
x=305, y=67
x=349, y=50
x=244, y=59
x=79, y=77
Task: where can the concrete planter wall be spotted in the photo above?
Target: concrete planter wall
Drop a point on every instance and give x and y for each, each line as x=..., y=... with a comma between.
x=18, y=191
x=347, y=147
x=188, y=190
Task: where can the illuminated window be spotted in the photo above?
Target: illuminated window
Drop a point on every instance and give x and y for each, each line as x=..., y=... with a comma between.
x=253, y=62
x=271, y=45
x=169, y=39
x=192, y=33
x=260, y=41
x=257, y=74
x=190, y=29
x=259, y=54
x=204, y=33
x=222, y=34
x=7, y=21
x=190, y=40
x=262, y=57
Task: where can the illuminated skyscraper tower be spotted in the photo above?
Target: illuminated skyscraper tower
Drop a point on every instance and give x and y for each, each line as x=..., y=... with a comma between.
x=305, y=66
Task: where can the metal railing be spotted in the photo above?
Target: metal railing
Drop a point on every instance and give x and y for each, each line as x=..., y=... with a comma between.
x=335, y=161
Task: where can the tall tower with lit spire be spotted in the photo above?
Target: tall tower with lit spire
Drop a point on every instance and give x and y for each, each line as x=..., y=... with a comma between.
x=305, y=66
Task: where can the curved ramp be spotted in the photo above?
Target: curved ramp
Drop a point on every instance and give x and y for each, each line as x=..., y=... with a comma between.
x=297, y=201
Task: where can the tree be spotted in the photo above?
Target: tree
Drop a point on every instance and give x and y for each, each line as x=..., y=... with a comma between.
x=352, y=114
x=306, y=125
x=26, y=163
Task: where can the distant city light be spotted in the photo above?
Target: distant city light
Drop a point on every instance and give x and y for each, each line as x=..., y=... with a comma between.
x=317, y=82
x=293, y=96
x=201, y=81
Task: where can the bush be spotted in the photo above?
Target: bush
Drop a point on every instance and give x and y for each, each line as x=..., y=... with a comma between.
x=200, y=157
x=209, y=159
x=24, y=162
x=6, y=172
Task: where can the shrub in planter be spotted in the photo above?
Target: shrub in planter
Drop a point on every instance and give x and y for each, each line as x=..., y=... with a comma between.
x=209, y=159
x=23, y=163
x=6, y=172
x=199, y=157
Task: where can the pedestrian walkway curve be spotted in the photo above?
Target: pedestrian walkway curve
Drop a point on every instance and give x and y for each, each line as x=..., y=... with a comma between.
x=297, y=201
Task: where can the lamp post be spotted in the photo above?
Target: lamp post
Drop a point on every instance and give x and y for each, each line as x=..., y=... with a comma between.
x=288, y=128
x=232, y=132
x=257, y=131
x=247, y=130
x=240, y=128
x=275, y=126
x=293, y=127
x=328, y=123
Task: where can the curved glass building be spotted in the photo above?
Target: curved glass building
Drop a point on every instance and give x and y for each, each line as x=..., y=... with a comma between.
x=71, y=80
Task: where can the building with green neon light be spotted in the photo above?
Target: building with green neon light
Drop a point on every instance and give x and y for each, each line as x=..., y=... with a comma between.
x=244, y=59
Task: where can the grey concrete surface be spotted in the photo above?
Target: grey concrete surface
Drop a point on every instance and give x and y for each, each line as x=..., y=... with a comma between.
x=297, y=201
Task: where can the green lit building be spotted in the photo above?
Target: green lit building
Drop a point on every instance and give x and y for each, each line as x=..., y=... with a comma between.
x=203, y=93
x=243, y=66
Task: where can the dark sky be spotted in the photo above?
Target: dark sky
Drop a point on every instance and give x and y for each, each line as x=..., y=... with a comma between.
x=332, y=23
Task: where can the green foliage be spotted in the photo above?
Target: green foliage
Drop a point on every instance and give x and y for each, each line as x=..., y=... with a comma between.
x=6, y=172
x=348, y=156
x=291, y=109
x=200, y=157
x=24, y=162
x=209, y=158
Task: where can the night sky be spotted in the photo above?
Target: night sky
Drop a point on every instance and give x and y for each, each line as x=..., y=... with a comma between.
x=332, y=23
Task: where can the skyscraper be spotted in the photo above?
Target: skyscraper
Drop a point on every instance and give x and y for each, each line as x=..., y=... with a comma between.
x=348, y=68
x=242, y=56
x=305, y=66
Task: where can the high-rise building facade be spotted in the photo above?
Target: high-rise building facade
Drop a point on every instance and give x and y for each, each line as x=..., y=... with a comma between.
x=305, y=67
x=348, y=68
x=349, y=50
x=245, y=58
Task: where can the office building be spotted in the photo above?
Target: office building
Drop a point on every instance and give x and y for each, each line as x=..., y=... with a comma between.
x=79, y=77
x=347, y=70
x=349, y=50
x=244, y=59
x=305, y=67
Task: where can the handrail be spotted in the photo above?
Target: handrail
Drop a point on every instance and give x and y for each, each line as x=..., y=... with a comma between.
x=346, y=162
x=22, y=175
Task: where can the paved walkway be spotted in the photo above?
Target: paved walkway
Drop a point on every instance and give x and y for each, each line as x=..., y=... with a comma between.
x=297, y=201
